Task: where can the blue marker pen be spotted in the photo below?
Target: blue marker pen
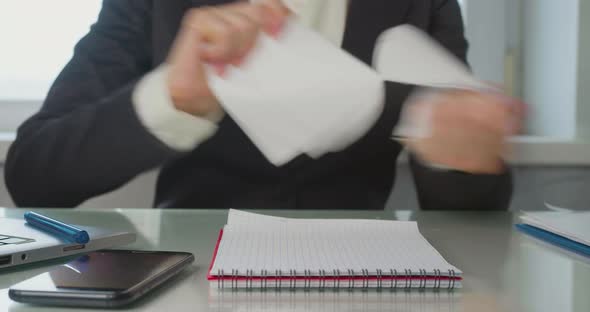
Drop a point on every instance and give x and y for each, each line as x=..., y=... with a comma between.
x=57, y=228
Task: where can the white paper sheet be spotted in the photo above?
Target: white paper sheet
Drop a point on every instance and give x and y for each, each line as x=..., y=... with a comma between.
x=406, y=54
x=299, y=94
x=259, y=242
x=572, y=225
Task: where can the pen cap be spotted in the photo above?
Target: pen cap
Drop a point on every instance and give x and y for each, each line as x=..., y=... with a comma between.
x=57, y=228
x=81, y=237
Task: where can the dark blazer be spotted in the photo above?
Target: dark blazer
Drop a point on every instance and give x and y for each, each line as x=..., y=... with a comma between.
x=87, y=140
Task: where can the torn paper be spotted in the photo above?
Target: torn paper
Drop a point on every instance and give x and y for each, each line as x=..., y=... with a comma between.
x=299, y=94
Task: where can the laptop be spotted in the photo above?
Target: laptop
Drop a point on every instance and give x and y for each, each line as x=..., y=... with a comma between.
x=22, y=244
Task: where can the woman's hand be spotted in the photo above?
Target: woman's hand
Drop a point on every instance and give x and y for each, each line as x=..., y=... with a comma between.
x=217, y=36
x=468, y=130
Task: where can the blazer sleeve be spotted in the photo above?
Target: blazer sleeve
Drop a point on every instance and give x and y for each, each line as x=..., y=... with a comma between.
x=87, y=139
x=446, y=189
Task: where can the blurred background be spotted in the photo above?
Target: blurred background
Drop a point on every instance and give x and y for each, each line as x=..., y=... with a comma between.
x=538, y=49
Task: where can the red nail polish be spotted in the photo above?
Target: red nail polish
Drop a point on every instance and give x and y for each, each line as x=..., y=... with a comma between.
x=276, y=29
x=219, y=69
x=240, y=60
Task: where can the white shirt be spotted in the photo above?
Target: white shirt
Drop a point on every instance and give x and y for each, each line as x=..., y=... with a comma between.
x=184, y=132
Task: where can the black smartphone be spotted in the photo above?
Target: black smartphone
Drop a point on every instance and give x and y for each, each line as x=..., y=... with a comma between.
x=105, y=279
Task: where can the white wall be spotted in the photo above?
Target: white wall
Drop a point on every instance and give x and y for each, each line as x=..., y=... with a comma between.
x=540, y=51
x=13, y=113
x=486, y=32
x=550, y=60
x=513, y=59
x=4, y=197
x=583, y=112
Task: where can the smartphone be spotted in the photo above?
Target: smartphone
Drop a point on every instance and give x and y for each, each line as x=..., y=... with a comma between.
x=103, y=279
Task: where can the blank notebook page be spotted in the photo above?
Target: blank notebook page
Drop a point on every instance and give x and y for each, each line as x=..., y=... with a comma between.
x=256, y=242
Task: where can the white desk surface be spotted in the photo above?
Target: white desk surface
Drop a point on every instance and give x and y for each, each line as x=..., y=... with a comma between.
x=504, y=269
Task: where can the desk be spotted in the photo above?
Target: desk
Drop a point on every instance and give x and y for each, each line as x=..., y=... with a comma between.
x=504, y=270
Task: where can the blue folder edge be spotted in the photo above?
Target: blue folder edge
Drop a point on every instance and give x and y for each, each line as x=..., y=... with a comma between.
x=555, y=239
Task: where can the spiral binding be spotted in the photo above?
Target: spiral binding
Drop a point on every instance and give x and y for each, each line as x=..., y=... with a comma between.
x=249, y=279
x=334, y=280
x=351, y=280
x=292, y=279
x=264, y=279
x=307, y=281
x=452, y=276
x=279, y=281
x=394, y=278
x=437, y=279
x=323, y=279
x=379, y=279
x=408, y=281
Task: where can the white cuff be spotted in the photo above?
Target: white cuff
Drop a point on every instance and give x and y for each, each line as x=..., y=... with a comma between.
x=415, y=122
x=155, y=109
x=436, y=167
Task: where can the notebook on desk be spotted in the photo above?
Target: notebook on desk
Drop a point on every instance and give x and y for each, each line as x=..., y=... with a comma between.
x=257, y=251
x=569, y=230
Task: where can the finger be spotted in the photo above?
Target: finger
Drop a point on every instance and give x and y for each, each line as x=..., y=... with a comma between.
x=479, y=136
x=238, y=35
x=467, y=141
x=274, y=15
x=243, y=21
x=253, y=12
x=509, y=110
x=186, y=78
x=490, y=111
x=217, y=41
x=277, y=6
x=491, y=116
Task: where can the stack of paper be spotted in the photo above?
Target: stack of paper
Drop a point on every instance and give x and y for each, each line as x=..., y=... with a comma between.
x=570, y=230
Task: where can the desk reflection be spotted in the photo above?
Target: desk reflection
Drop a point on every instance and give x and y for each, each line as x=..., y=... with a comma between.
x=543, y=277
x=332, y=300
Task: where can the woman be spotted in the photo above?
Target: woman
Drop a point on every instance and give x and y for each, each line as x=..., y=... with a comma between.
x=134, y=97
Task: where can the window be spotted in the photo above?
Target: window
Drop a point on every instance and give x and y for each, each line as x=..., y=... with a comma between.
x=462, y=3
x=37, y=41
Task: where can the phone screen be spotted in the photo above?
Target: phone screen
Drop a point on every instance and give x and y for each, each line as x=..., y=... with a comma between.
x=105, y=271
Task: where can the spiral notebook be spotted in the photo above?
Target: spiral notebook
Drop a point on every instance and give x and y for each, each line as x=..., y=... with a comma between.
x=258, y=251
